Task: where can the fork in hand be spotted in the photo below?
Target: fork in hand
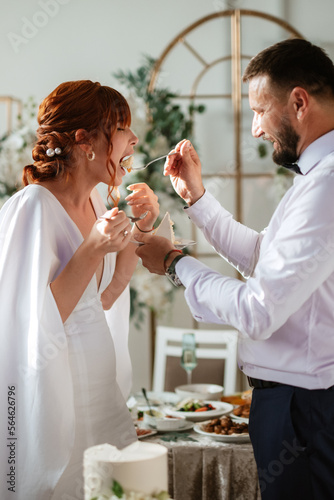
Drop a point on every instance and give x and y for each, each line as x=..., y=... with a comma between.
x=132, y=219
x=152, y=161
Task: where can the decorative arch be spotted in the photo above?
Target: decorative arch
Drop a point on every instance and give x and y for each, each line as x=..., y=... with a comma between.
x=236, y=57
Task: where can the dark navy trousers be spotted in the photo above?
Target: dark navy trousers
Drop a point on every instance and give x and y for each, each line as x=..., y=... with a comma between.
x=292, y=433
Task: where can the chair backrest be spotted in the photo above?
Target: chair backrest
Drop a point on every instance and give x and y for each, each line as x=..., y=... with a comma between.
x=210, y=344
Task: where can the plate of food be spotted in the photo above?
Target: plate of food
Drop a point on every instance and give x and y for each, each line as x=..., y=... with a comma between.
x=179, y=243
x=241, y=413
x=238, y=398
x=197, y=410
x=157, y=398
x=224, y=429
x=143, y=433
x=187, y=426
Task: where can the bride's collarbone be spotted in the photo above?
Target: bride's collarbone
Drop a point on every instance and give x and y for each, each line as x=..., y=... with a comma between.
x=84, y=220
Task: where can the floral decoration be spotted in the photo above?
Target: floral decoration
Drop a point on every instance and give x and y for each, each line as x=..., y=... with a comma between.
x=15, y=151
x=117, y=493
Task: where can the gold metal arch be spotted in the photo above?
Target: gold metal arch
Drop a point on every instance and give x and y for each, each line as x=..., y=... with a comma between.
x=236, y=96
x=235, y=15
x=9, y=103
x=201, y=74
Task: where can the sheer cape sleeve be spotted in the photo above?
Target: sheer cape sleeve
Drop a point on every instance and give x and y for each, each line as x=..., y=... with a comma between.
x=36, y=430
x=37, y=239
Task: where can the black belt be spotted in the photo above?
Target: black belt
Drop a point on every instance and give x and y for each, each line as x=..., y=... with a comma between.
x=262, y=384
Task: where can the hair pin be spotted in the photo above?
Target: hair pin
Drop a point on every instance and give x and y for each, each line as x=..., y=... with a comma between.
x=51, y=152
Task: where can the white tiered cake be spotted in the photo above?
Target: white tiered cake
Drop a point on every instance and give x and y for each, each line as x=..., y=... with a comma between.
x=139, y=468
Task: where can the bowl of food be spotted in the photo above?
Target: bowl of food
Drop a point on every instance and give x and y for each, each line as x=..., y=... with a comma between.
x=210, y=392
x=169, y=423
x=151, y=417
x=163, y=422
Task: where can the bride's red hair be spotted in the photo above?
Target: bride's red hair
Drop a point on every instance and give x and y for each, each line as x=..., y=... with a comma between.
x=75, y=105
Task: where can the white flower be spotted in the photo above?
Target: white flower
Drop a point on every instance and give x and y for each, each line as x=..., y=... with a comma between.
x=153, y=290
x=15, y=153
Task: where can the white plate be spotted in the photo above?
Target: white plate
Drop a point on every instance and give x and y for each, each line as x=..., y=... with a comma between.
x=220, y=409
x=181, y=243
x=187, y=427
x=151, y=432
x=157, y=398
x=240, y=419
x=232, y=438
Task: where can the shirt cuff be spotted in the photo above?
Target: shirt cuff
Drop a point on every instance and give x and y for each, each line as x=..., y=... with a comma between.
x=186, y=268
x=206, y=208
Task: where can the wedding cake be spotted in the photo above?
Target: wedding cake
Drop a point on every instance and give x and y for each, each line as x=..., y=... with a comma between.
x=138, y=471
x=165, y=228
x=127, y=163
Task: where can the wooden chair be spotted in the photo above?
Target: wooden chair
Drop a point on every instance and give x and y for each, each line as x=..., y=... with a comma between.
x=212, y=346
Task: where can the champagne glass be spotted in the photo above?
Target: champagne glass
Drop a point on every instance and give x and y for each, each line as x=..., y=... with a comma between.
x=188, y=358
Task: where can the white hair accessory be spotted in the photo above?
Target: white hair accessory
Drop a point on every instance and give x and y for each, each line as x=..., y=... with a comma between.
x=51, y=152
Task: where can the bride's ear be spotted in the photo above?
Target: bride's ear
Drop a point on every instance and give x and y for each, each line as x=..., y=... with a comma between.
x=82, y=140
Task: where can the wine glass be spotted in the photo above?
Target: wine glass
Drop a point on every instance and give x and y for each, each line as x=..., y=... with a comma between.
x=188, y=358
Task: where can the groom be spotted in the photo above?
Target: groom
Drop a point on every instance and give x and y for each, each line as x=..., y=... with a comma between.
x=284, y=311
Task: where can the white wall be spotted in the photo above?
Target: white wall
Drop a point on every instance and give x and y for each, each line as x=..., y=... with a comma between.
x=46, y=42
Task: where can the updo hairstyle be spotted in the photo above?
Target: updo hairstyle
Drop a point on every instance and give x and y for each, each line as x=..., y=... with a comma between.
x=71, y=106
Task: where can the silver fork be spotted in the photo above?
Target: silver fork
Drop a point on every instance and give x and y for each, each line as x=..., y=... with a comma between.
x=156, y=159
x=132, y=219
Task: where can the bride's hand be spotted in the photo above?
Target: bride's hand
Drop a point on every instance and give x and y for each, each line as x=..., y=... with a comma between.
x=111, y=233
x=143, y=199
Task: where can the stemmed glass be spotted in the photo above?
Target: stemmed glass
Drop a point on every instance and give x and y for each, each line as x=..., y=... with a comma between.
x=188, y=357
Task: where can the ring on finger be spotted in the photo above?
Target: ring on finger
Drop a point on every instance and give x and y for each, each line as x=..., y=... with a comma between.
x=125, y=233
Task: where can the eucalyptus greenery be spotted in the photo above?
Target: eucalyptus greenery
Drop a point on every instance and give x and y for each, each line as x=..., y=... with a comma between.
x=117, y=491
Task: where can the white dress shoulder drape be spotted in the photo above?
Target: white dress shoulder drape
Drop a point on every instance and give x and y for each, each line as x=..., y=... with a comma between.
x=62, y=386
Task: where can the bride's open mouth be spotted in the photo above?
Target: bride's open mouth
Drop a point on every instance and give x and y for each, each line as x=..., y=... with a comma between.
x=126, y=163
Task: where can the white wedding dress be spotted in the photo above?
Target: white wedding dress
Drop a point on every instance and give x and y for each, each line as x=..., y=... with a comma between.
x=70, y=380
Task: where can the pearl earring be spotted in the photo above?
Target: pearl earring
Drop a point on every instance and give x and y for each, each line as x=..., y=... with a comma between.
x=91, y=156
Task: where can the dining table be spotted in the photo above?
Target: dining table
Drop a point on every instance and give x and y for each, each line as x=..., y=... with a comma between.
x=203, y=467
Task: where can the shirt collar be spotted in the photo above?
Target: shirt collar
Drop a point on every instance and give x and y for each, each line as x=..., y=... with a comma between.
x=316, y=151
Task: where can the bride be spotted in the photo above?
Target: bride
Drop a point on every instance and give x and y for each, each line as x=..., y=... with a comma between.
x=64, y=296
